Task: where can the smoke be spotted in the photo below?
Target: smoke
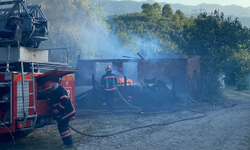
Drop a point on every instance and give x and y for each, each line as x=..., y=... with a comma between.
x=147, y=48
x=84, y=30
x=130, y=70
x=221, y=81
x=99, y=42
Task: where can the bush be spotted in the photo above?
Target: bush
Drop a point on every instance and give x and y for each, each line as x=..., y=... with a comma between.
x=242, y=82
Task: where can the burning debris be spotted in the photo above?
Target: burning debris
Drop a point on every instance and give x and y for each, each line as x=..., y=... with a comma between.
x=124, y=81
x=145, y=83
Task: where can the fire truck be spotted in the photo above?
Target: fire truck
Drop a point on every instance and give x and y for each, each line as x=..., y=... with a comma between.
x=24, y=68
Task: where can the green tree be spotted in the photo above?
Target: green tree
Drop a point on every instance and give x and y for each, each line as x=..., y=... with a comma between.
x=158, y=7
x=167, y=11
x=152, y=11
x=215, y=39
x=238, y=69
x=212, y=36
x=180, y=14
x=68, y=21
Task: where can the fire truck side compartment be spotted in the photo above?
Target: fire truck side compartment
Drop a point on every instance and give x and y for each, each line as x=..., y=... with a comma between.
x=62, y=76
x=11, y=111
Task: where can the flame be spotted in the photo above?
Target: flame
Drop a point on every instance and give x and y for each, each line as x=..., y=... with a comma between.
x=129, y=81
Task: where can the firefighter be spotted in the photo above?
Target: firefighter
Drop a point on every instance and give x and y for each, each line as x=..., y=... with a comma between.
x=108, y=84
x=63, y=110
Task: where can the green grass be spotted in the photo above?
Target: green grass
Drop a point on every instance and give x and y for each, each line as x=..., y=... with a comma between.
x=46, y=138
x=246, y=142
x=232, y=93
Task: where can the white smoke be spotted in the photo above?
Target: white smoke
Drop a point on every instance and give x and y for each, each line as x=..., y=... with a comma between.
x=98, y=42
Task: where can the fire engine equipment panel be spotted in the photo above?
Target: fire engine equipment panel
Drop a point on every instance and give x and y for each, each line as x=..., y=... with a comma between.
x=5, y=89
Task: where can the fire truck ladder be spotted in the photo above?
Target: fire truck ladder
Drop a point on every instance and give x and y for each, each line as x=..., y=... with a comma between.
x=30, y=106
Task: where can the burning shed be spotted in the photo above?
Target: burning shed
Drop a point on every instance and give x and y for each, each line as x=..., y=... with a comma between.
x=144, y=82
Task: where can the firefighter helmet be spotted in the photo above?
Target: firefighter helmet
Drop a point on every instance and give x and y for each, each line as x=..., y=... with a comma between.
x=49, y=86
x=108, y=68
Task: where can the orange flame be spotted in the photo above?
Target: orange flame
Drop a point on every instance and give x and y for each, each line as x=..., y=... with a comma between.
x=129, y=81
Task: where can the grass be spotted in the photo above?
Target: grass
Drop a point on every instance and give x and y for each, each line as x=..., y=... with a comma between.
x=48, y=137
x=246, y=142
x=44, y=138
x=232, y=93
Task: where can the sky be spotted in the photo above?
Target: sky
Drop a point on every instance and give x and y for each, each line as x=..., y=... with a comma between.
x=244, y=3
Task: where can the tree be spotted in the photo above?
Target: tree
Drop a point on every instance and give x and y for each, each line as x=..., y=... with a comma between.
x=167, y=11
x=157, y=6
x=212, y=36
x=152, y=11
x=238, y=69
x=215, y=39
x=180, y=14
x=71, y=24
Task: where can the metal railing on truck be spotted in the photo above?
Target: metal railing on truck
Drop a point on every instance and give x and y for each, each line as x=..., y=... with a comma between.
x=9, y=65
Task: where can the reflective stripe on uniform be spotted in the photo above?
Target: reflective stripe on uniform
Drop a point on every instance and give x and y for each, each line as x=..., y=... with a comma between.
x=110, y=89
x=60, y=105
x=66, y=132
x=72, y=112
x=66, y=135
x=56, y=104
x=109, y=77
x=64, y=96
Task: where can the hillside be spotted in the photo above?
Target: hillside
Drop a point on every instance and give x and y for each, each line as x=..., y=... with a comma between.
x=123, y=7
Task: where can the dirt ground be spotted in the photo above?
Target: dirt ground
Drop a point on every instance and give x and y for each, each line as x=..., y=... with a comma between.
x=224, y=126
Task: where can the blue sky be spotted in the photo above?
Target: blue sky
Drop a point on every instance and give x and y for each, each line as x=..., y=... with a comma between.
x=244, y=3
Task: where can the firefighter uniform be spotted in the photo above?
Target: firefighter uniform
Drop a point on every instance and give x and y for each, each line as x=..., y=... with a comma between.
x=108, y=83
x=63, y=111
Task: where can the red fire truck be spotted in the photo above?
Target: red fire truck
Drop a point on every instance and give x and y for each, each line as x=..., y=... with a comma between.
x=24, y=68
x=23, y=104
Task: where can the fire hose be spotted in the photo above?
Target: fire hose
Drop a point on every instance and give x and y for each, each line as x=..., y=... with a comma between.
x=119, y=93
x=141, y=127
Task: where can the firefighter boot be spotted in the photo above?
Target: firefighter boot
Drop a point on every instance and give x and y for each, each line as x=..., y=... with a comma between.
x=67, y=142
x=66, y=146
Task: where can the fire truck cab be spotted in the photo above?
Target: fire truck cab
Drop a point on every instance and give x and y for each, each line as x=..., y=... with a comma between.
x=23, y=103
